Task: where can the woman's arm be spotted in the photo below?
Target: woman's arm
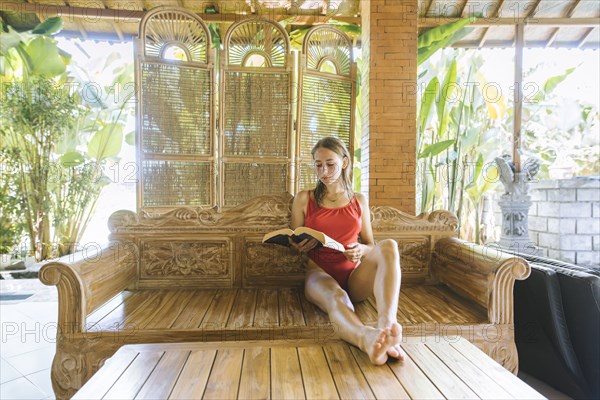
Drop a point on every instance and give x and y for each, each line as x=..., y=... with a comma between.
x=298, y=210
x=357, y=251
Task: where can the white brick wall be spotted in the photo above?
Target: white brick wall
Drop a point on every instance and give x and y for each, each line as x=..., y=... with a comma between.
x=564, y=220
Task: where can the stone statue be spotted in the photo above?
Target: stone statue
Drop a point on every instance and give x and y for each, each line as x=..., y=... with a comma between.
x=516, y=184
x=515, y=203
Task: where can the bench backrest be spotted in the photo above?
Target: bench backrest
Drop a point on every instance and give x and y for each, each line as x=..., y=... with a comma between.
x=199, y=248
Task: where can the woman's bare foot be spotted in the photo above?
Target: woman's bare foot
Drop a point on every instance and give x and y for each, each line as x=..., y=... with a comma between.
x=376, y=343
x=395, y=350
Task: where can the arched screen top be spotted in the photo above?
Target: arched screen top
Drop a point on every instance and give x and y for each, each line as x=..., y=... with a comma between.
x=327, y=46
x=257, y=36
x=163, y=31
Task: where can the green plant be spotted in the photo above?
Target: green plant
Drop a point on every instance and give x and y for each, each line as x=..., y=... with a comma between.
x=35, y=114
x=457, y=143
x=11, y=224
x=59, y=134
x=96, y=137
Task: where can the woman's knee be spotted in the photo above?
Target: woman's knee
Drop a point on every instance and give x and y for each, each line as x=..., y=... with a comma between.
x=389, y=247
x=340, y=296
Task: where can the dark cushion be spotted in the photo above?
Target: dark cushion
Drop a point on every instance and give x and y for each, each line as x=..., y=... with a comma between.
x=557, y=326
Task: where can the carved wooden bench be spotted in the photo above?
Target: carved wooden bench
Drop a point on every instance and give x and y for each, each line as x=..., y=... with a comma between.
x=200, y=275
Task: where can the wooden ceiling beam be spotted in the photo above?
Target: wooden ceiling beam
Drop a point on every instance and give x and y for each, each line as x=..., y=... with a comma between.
x=483, y=22
x=95, y=14
x=568, y=14
x=487, y=29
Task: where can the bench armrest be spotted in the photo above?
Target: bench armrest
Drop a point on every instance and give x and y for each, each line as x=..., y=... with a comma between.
x=484, y=274
x=87, y=279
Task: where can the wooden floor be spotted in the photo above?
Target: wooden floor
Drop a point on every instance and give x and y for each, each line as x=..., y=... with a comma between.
x=434, y=369
x=261, y=308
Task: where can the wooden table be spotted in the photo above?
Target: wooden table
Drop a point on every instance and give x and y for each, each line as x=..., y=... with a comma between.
x=434, y=368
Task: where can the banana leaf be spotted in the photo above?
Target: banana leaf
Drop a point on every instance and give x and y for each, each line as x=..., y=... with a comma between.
x=441, y=36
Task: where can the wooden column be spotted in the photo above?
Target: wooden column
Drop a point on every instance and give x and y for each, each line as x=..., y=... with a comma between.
x=389, y=80
x=518, y=99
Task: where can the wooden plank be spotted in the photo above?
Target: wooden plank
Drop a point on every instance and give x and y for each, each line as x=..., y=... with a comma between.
x=435, y=307
x=101, y=381
x=144, y=314
x=366, y=313
x=92, y=320
x=416, y=310
x=312, y=314
x=193, y=313
x=290, y=310
x=508, y=381
x=167, y=315
x=414, y=381
x=194, y=375
x=442, y=377
x=242, y=312
x=163, y=378
x=441, y=309
x=134, y=377
x=348, y=378
x=224, y=380
x=318, y=382
x=218, y=313
x=473, y=312
x=115, y=320
x=402, y=316
x=484, y=386
x=266, y=313
x=286, y=379
x=381, y=379
x=255, y=382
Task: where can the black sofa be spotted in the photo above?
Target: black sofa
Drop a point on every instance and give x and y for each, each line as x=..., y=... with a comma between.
x=557, y=326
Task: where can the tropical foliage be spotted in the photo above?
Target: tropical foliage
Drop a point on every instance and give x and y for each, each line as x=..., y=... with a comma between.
x=59, y=127
x=464, y=123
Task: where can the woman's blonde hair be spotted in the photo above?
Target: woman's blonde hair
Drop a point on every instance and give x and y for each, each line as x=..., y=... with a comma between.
x=338, y=147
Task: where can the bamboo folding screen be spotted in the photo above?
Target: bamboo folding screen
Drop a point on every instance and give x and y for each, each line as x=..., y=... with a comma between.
x=175, y=134
x=327, y=96
x=183, y=163
x=255, y=111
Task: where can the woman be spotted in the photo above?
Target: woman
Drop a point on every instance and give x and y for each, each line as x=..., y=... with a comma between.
x=334, y=279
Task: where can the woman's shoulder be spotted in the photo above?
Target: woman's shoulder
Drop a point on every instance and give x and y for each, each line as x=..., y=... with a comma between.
x=301, y=198
x=362, y=200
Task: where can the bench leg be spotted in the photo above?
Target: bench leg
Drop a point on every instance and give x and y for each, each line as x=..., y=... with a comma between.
x=504, y=353
x=75, y=361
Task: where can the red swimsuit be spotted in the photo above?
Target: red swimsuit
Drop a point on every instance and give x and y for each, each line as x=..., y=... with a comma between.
x=342, y=224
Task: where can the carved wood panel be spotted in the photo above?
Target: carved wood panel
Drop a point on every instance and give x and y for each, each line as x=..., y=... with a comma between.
x=414, y=255
x=272, y=264
x=185, y=259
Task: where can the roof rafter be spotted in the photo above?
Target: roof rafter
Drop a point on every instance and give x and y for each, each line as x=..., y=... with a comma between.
x=487, y=29
x=568, y=14
x=585, y=37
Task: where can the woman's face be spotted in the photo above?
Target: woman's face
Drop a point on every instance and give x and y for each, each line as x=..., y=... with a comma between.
x=328, y=165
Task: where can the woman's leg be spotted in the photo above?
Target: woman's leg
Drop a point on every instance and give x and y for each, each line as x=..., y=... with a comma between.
x=324, y=291
x=379, y=273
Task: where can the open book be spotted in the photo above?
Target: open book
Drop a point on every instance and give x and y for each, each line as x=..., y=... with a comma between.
x=281, y=236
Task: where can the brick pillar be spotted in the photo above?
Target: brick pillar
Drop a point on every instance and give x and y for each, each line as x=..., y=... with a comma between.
x=389, y=79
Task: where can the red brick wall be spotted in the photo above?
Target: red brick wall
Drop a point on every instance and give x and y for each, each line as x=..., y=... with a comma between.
x=389, y=101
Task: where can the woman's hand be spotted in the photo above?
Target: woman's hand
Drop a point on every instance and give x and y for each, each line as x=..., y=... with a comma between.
x=355, y=251
x=304, y=246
